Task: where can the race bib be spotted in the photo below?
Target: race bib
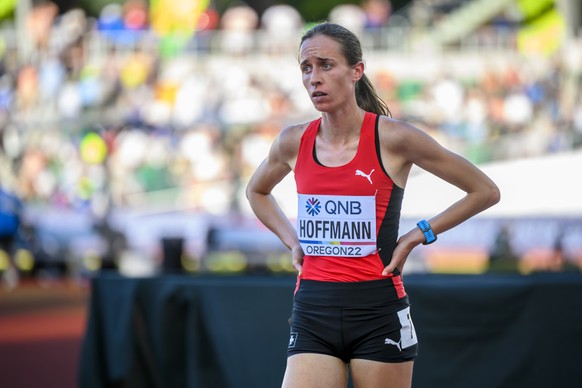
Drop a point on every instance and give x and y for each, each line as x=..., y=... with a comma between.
x=336, y=225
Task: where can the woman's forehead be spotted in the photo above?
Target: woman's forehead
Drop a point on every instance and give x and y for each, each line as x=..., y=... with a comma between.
x=320, y=46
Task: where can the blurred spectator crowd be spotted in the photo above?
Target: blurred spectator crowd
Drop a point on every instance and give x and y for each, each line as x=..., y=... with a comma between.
x=106, y=113
x=90, y=114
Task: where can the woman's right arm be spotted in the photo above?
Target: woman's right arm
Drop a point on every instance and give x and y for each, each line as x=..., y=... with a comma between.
x=272, y=170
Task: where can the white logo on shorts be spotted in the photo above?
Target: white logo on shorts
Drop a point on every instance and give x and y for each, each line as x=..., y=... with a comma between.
x=407, y=332
x=293, y=340
x=388, y=341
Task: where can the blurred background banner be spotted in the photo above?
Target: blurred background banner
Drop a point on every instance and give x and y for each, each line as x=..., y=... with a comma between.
x=129, y=130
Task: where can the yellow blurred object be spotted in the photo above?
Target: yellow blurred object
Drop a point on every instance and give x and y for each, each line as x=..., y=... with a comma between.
x=4, y=260
x=7, y=7
x=544, y=36
x=458, y=261
x=226, y=262
x=171, y=16
x=2, y=47
x=92, y=261
x=93, y=149
x=280, y=263
x=166, y=92
x=85, y=188
x=24, y=260
x=531, y=8
x=135, y=70
x=190, y=264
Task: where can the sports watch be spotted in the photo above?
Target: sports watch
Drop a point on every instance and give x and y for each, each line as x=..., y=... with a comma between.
x=429, y=235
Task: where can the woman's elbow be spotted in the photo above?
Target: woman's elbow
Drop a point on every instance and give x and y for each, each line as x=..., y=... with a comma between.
x=249, y=192
x=493, y=195
x=252, y=191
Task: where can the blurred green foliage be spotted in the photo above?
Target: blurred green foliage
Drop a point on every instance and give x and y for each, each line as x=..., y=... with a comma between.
x=7, y=8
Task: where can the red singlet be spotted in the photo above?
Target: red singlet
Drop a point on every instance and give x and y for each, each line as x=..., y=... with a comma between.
x=331, y=244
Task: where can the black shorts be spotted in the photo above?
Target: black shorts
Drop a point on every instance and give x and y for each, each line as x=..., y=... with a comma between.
x=352, y=320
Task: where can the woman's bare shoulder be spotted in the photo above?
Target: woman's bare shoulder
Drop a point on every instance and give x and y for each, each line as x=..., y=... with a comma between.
x=293, y=132
x=396, y=132
x=286, y=144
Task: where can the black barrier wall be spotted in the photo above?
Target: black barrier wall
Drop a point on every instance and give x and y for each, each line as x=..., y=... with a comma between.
x=474, y=331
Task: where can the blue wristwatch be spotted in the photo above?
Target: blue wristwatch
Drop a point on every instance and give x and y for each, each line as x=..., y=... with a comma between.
x=429, y=235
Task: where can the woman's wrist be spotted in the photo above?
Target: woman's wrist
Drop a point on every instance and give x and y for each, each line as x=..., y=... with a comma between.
x=415, y=237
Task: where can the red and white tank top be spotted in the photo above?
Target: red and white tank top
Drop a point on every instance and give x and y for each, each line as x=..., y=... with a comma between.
x=348, y=216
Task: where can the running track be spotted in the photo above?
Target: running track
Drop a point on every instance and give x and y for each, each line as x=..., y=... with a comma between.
x=41, y=330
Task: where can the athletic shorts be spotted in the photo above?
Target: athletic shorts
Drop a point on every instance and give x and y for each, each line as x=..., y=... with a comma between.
x=352, y=320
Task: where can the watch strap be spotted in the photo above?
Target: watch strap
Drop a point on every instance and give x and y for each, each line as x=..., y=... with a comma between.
x=425, y=228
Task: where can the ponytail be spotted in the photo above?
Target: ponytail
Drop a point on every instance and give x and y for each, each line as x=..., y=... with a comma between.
x=368, y=99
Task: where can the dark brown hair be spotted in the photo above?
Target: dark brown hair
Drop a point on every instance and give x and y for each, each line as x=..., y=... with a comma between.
x=366, y=95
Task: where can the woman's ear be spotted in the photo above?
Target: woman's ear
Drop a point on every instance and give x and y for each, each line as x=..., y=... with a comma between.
x=358, y=71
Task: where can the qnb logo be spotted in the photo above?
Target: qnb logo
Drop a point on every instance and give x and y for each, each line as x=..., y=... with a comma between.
x=363, y=174
x=313, y=206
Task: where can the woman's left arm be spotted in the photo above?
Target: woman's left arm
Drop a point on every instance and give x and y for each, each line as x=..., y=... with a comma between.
x=415, y=146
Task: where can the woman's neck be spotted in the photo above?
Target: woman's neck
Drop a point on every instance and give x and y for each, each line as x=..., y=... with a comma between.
x=341, y=127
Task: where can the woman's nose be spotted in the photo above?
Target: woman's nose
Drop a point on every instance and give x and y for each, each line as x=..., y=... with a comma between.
x=315, y=78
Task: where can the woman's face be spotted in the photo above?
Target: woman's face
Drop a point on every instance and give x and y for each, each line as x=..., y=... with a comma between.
x=327, y=77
